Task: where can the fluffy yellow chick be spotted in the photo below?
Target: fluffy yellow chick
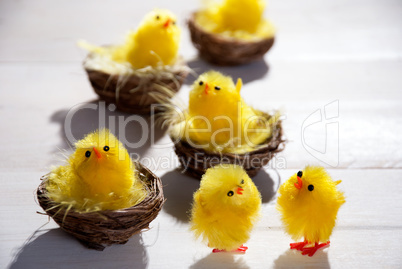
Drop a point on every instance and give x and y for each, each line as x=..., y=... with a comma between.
x=155, y=42
x=219, y=115
x=240, y=15
x=309, y=202
x=99, y=175
x=236, y=18
x=225, y=208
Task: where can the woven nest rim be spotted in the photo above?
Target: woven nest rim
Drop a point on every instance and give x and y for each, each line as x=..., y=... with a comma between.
x=264, y=153
x=97, y=229
x=135, y=92
x=226, y=51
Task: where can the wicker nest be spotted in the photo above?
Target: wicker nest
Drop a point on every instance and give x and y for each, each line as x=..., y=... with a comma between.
x=147, y=90
x=221, y=50
x=97, y=229
x=196, y=161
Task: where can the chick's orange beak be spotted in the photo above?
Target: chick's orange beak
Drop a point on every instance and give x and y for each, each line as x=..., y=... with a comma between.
x=97, y=153
x=206, y=88
x=299, y=183
x=240, y=190
x=167, y=23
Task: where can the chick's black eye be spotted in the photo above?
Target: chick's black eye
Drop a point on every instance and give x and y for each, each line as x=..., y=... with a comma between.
x=87, y=154
x=217, y=88
x=106, y=148
x=174, y=22
x=201, y=83
x=310, y=187
x=230, y=193
x=242, y=181
x=157, y=17
x=300, y=174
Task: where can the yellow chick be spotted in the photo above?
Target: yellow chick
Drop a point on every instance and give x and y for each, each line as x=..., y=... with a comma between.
x=240, y=15
x=155, y=42
x=225, y=208
x=99, y=175
x=309, y=202
x=236, y=18
x=219, y=115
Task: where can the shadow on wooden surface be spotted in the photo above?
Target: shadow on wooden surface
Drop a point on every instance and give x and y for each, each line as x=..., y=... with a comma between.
x=221, y=260
x=178, y=189
x=266, y=185
x=293, y=258
x=248, y=72
x=56, y=249
x=136, y=132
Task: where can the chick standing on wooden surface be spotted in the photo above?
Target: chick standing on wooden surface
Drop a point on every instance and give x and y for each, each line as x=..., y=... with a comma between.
x=156, y=41
x=99, y=175
x=215, y=104
x=225, y=208
x=309, y=202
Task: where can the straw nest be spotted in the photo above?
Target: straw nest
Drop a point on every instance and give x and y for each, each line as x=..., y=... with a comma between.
x=222, y=50
x=135, y=91
x=196, y=161
x=98, y=229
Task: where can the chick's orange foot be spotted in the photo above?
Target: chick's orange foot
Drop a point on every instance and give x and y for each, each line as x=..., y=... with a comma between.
x=310, y=251
x=241, y=249
x=298, y=245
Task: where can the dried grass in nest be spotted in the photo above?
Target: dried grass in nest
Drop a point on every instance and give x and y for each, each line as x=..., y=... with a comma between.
x=221, y=50
x=97, y=229
x=134, y=91
x=196, y=161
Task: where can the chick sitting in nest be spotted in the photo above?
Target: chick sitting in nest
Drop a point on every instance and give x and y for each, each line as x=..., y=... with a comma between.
x=99, y=176
x=144, y=71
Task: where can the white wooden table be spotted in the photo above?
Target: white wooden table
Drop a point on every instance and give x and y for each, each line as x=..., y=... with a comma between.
x=343, y=56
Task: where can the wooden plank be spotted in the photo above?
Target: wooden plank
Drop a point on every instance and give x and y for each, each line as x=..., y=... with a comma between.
x=312, y=30
x=340, y=58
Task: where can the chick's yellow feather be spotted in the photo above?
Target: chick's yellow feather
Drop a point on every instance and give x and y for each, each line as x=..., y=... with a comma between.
x=225, y=207
x=99, y=175
x=219, y=115
x=310, y=211
x=155, y=41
